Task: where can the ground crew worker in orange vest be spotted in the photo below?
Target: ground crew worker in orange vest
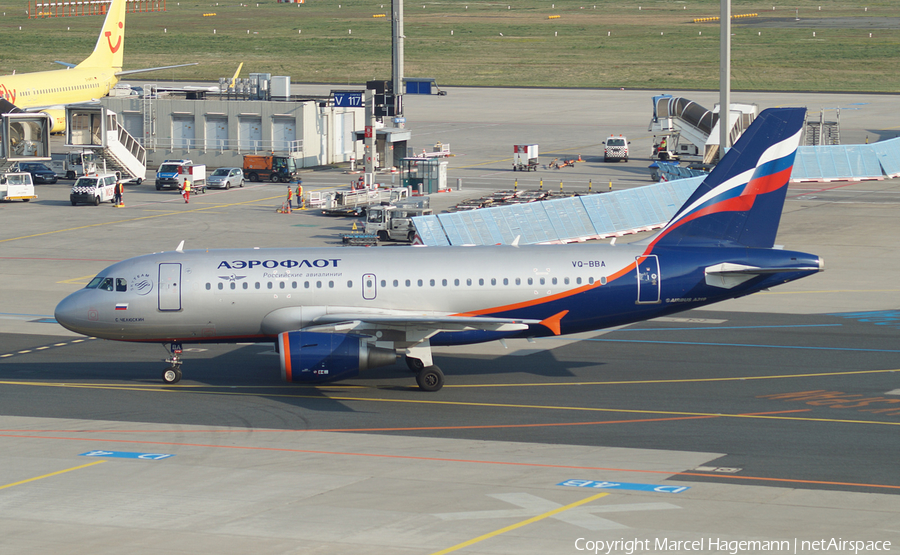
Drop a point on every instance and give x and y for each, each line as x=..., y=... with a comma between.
x=299, y=193
x=186, y=190
x=120, y=188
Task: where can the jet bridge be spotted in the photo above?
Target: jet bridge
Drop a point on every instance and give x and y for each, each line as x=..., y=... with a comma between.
x=24, y=137
x=94, y=127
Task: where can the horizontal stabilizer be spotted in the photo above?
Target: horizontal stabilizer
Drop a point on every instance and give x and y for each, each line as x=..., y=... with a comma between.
x=67, y=64
x=729, y=275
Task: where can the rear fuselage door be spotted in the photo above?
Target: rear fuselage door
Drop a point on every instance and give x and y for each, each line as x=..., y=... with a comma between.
x=169, y=286
x=648, y=279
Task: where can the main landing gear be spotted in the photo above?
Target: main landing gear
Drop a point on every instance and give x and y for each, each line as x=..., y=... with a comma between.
x=172, y=374
x=429, y=378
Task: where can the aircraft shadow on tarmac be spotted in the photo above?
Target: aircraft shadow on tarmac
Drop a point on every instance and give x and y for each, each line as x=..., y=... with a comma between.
x=249, y=366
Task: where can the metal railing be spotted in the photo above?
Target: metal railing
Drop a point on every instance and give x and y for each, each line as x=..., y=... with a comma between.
x=241, y=146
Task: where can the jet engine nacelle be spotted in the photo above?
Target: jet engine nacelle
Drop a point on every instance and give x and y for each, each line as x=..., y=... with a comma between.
x=57, y=119
x=313, y=357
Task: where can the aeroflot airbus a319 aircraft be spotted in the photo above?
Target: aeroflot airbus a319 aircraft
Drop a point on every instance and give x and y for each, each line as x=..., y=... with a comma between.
x=50, y=91
x=333, y=312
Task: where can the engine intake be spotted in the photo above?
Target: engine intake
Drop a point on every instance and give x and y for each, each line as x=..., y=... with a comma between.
x=313, y=357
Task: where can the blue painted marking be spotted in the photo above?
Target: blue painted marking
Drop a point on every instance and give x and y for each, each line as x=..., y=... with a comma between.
x=623, y=485
x=734, y=327
x=878, y=317
x=126, y=455
x=704, y=344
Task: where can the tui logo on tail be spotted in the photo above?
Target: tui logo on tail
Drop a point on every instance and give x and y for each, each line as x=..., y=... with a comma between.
x=115, y=48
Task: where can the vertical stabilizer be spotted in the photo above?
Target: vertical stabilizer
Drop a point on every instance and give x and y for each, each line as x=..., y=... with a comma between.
x=740, y=202
x=111, y=42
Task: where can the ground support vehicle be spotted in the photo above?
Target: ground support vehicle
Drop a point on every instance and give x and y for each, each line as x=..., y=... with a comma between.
x=73, y=164
x=393, y=222
x=172, y=173
x=94, y=189
x=356, y=202
x=616, y=149
x=16, y=186
x=270, y=168
x=525, y=158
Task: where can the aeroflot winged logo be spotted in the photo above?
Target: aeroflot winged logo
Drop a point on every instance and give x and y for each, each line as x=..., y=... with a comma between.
x=249, y=264
x=118, y=45
x=142, y=284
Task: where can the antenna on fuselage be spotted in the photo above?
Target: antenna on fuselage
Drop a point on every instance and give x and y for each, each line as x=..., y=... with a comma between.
x=180, y=247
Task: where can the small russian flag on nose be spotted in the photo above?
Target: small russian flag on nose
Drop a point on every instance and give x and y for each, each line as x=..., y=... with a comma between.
x=121, y=306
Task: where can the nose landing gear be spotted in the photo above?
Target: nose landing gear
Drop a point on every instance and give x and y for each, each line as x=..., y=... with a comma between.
x=172, y=374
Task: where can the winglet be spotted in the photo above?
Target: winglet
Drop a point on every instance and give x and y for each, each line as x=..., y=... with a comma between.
x=552, y=323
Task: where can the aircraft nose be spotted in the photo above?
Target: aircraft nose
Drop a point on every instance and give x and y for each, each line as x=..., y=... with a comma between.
x=68, y=310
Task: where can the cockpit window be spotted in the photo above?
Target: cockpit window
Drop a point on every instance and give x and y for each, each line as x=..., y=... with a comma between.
x=106, y=284
x=121, y=284
x=94, y=282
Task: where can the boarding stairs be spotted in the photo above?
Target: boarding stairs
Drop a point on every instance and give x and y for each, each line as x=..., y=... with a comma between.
x=116, y=150
x=698, y=125
x=823, y=131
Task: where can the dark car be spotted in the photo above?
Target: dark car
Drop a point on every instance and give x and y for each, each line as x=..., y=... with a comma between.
x=39, y=172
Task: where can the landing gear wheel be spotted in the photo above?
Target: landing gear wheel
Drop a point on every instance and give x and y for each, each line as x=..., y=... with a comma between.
x=415, y=364
x=430, y=379
x=172, y=374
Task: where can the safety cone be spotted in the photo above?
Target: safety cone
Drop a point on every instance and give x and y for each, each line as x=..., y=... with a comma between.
x=579, y=159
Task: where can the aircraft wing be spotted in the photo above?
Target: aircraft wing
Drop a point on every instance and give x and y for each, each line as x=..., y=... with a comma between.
x=132, y=71
x=357, y=319
x=434, y=322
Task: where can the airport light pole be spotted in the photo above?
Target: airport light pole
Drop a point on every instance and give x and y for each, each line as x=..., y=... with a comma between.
x=724, y=77
x=397, y=52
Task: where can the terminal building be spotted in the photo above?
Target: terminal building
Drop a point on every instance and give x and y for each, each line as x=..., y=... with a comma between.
x=218, y=129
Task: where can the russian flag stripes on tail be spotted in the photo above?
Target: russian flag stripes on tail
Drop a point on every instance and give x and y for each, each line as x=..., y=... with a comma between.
x=740, y=202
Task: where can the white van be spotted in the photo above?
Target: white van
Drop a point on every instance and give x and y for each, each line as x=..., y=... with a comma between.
x=616, y=149
x=94, y=189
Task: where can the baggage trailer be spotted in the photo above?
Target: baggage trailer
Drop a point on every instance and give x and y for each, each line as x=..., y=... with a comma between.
x=525, y=158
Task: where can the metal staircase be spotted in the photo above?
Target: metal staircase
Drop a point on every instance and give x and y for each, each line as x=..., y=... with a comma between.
x=123, y=153
x=823, y=132
x=116, y=150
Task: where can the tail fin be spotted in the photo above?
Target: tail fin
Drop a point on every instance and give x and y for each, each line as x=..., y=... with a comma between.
x=111, y=42
x=740, y=202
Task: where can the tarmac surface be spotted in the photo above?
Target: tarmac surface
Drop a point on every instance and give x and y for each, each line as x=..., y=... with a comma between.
x=768, y=419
